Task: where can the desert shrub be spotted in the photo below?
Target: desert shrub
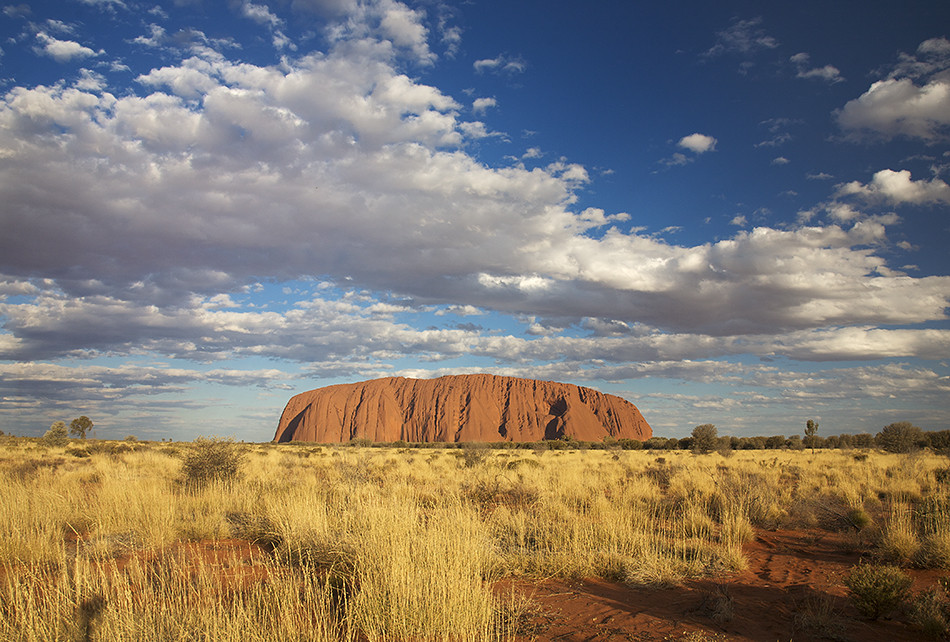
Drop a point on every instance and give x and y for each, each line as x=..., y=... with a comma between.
x=30, y=467
x=501, y=492
x=834, y=513
x=858, y=519
x=57, y=435
x=718, y=604
x=526, y=462
x=474, y=454
x=819, y=617
x=211, y=459
x=876, y=590
x=929, y=612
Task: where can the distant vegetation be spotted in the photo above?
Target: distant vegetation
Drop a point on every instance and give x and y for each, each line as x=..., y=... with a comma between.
x=900, y=437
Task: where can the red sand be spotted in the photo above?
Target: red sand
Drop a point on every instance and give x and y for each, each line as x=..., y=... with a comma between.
x=789, y=573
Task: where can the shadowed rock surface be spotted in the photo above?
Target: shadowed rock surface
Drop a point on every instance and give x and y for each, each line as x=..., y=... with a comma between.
x=477, y=407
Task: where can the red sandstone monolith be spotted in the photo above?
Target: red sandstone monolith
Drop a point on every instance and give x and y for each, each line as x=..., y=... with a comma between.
x=481, y=407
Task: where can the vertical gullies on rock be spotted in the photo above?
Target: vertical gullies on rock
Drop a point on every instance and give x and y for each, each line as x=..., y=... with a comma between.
x=463, y=407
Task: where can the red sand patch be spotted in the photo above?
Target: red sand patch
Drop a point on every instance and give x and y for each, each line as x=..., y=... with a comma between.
x=792, y=590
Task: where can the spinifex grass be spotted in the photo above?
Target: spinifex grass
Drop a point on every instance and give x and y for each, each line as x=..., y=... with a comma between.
x=163, y=599
x=387, y=544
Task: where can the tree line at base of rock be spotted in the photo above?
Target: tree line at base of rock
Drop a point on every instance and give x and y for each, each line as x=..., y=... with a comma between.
x=897, y=437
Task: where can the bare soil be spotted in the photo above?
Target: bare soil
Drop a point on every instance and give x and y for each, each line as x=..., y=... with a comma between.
x=791, y=590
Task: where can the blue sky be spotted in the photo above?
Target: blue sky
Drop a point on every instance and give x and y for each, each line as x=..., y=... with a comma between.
x=731, y=213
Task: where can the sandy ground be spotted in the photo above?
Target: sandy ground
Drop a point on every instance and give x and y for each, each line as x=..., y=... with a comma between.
x=791, y=590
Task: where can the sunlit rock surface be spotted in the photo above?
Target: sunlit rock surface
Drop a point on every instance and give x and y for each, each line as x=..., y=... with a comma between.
x=477, y=407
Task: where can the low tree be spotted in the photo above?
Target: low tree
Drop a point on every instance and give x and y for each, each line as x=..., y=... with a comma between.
x=811, y=432
x=57, y=435
x=704, y=439
x=939, y=440
x=775, y=442
x=899, y=437
x=80, y=426
x=862, y=440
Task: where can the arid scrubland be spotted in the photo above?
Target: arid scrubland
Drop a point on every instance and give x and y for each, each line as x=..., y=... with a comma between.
x=348, y=543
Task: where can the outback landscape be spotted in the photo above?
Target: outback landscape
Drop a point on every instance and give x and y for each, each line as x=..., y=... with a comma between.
x=557, y=540
x=589, y=322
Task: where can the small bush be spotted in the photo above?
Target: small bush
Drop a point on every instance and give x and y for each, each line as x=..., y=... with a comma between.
x=818, y=616
x=929, y=611
x=57, y=435
x=211, y=459
x=857, y=518
x=473, y=458
x=876, y=590
x=718, y=604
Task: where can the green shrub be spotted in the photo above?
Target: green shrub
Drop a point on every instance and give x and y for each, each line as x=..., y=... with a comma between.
x=704, y=439
x=876, y=590
x=57, y=435
x=211, y=459
x=858, y=518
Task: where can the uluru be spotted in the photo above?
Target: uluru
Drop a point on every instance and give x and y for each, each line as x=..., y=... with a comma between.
x=458, y=408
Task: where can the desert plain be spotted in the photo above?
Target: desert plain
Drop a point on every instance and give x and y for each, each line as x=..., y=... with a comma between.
x=214, y=540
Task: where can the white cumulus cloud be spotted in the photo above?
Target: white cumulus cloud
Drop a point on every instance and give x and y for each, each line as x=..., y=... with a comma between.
x=913, y=102
x=483, y=104
x=698, y=143
x=898, y=187
x=62, y=50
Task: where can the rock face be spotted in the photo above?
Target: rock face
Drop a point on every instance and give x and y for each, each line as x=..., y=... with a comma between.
x=458, y=408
